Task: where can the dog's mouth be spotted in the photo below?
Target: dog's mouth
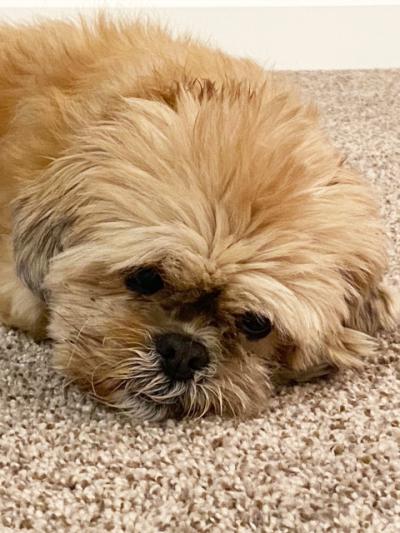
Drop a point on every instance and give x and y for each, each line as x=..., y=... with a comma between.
x=149, y=393
x=139, y=386
x=171, y=399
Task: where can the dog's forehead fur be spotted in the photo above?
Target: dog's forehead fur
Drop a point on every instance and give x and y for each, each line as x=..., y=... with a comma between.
x=224, y=173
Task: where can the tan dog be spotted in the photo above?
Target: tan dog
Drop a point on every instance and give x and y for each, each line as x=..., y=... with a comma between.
x=176, y=220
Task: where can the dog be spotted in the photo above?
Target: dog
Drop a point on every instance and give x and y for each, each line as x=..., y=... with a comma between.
x=177, y=221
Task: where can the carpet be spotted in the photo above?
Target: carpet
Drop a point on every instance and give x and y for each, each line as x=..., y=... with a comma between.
x=325, y=458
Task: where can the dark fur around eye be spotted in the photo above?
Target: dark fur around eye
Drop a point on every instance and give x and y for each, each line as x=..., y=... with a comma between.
x=146, y=281
x=254, y=326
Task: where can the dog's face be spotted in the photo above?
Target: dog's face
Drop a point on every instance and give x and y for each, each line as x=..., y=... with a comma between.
x=161, y=329
x=202, y=242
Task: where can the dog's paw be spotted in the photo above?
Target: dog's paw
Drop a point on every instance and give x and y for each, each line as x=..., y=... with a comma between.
x=288, y=376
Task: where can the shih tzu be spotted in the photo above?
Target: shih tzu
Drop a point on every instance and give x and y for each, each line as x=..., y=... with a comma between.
x=177, y=221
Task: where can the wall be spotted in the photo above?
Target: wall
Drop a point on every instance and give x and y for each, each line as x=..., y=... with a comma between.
x=284, y=37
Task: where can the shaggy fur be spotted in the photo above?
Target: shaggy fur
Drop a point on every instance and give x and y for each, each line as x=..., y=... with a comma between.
x=123, y=148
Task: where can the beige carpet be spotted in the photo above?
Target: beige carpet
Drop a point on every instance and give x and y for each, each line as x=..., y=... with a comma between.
x=326, y=458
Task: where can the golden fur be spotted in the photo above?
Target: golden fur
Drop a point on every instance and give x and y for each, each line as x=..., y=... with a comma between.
x=122, y=147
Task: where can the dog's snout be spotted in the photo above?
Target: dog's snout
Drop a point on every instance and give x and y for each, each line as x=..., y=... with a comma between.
x=181, y=355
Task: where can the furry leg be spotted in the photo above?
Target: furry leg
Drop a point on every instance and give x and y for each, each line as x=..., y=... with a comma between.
x=19, y=308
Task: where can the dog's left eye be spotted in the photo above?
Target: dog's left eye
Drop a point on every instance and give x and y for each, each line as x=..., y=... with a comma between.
x=254, y=326
x=146, y=280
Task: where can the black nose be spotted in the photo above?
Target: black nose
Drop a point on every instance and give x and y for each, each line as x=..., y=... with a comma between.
x=181, y=355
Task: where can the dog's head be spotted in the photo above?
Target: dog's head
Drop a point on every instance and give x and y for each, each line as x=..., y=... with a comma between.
x=192, y=244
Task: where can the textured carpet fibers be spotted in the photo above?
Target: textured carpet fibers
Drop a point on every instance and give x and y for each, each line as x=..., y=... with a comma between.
x=326, y=457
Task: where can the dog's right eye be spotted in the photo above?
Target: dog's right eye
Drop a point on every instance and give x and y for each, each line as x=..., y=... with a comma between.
x=146, y=280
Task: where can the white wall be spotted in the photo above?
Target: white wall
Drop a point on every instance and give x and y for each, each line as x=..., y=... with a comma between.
x=283, y=37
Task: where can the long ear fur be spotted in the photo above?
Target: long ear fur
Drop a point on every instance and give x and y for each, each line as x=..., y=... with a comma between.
x=378, y=309
x=39, y=233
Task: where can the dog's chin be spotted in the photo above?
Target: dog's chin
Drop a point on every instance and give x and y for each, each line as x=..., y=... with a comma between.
x=192, y=399
x=172, y=399
x=141, y=407
x=154, y=408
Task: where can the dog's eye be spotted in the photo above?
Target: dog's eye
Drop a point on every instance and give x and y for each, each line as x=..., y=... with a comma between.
x=145, y=281
x=254, y=326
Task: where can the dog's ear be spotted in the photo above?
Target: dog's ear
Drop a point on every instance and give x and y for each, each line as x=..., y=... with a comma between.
x=377, y=309
x=39, y=233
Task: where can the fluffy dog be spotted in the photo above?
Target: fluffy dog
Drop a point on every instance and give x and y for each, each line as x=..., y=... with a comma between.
x=177, y=221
